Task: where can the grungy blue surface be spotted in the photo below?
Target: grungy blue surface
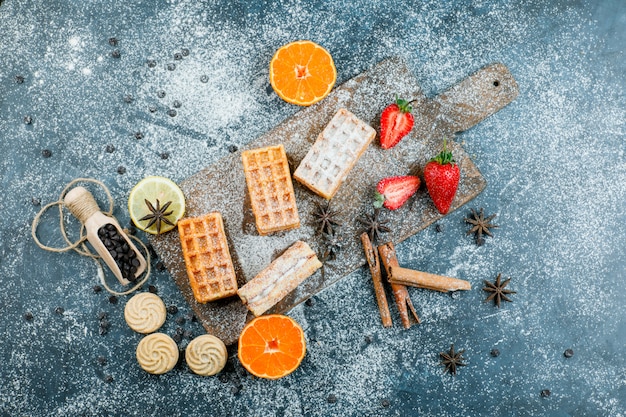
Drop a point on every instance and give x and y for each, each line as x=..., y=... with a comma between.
x=554, y=161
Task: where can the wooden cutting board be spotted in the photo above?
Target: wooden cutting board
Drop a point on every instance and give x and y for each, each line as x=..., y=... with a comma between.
x=222, y=187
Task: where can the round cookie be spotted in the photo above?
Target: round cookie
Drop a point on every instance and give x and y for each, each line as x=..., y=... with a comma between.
x=145, y=313
x=206, y=355
x=157, y=353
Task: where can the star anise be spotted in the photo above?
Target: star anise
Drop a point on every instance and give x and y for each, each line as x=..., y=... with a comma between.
x=481, y=225
x=325, y=218
x=333, y=246
x=157, y=215
x=498, y=291
x=373, y=225
x=452, y=359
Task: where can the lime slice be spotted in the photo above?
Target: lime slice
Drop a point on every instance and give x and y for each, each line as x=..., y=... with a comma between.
x=158, y=191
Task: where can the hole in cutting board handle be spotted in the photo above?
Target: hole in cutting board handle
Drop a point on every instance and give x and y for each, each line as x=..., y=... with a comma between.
x=496, y=83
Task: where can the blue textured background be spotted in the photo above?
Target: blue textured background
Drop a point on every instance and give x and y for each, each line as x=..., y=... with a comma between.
x=554, y=161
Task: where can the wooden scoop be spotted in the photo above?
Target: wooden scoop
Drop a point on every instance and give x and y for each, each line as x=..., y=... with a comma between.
x=82, y=205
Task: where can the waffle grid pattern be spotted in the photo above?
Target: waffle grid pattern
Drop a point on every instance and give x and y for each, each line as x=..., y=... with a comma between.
x=270, y=188
x=205, y=249
x=334, y=153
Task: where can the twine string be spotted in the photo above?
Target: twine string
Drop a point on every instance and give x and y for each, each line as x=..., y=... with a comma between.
x=83, y=207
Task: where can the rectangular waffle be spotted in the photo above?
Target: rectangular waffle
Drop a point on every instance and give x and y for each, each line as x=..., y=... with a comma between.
x=271, y=190
x=281, y=277
x=207, y=258
x=334, y=153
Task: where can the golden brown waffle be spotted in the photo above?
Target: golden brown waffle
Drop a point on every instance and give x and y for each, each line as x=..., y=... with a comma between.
x=335, y=151
x=207, y=258
x=270, y=188
x=280, y=278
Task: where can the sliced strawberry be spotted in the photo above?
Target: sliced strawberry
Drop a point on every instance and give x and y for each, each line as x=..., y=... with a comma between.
x=393, y=192
x=396, y=122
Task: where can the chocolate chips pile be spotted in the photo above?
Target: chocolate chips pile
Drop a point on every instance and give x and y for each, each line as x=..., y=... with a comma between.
x=120, y=250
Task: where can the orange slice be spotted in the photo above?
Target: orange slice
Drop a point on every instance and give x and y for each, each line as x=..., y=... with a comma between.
x=302, y=73
x=271, y=346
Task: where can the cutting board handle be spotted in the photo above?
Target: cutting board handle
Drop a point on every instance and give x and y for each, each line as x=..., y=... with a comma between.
x=476, y=97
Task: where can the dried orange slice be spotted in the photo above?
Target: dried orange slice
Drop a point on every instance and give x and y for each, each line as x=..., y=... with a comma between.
x=302, y=73
x=271, y=346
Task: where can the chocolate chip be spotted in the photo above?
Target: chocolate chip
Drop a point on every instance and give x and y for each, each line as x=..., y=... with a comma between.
x=178, y=56
x=102, y=330
x=190, y=317
x=108, y=379
x=110, y=149
x=59, y=311
x=116, y=54
x=105, y=324
x=180, y=320
x=138, y=135
x=97, y=288
x=101, y=360
x=113, y=299
x=172, y=309
x=28, y=316
x=160, y=94
x=545, y=393
x=494, y=352
x=152, y=289
x=180, y=331
x=232, y=148
x=177, y=104
x=184, y=51
x=177, y=338
x=234, y=390
x=35, y=201
x=188, y=334
x=310, y=302
x=19, y=79
x=113, y=41
x=172, y=113
x=152, y=109
x=385, y=403
x=164, y=155
x=568, y=353
x=171, y=67
x=204, y=79
x=151, y=63
x=332, y=398
x=28, y=120
x=439, y=228
x=46, y=153
x=128, y=98
x=369, y=339
x=102, y=315
x=121, y=170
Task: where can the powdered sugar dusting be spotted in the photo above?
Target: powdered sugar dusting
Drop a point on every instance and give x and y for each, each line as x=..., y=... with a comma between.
x=554, y=162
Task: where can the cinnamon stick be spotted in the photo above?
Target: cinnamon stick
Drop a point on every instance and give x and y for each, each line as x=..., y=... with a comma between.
x=374, y=263
x=404, y=276
x=401, y=294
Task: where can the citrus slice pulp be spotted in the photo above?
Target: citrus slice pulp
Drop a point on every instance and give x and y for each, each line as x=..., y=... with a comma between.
x=271, y=346
x=302, y=73
x=158, y=191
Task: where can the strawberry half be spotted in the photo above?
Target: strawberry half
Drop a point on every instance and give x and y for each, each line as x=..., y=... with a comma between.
x=396, y=122
x=393, y=192
x=442, y=175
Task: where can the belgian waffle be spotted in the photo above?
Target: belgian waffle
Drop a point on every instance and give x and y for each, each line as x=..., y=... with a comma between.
x=207, y=258
x=270, y=188
x=280, y=278
x=334, y=153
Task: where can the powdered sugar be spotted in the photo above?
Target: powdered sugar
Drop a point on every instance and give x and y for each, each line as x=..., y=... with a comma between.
x=554, y=163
